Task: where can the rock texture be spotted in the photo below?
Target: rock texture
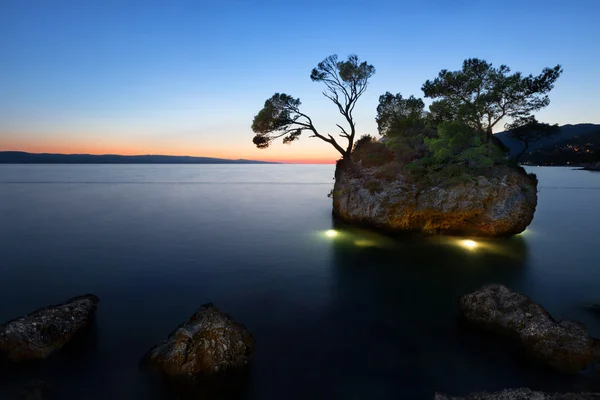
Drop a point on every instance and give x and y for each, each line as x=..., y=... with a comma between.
x=496, y=206
x=522, y=394
x=47, y=330
x=564, y=345
x=209, y=342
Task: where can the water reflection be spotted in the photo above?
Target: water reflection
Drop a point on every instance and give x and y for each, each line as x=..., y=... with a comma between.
x=396, y=309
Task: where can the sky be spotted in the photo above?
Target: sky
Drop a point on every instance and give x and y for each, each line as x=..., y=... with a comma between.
x=187, y=78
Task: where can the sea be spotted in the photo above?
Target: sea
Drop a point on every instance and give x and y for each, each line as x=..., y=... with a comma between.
x=336, y=312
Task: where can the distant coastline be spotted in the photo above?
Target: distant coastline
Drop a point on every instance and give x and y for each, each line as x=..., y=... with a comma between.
x=21, y=157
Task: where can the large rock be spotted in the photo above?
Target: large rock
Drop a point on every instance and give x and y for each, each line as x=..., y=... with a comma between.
x=47, y=330
x=522, y=394
x=210, y=342
x=564, y=345
x=501, y=205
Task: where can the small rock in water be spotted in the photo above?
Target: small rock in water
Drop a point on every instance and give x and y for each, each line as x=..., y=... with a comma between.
x=564, y=345
x=521, y=394
x=47, y=330
x=210, y=342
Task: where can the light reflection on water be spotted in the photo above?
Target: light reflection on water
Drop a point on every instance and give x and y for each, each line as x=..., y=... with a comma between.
x=354, y=314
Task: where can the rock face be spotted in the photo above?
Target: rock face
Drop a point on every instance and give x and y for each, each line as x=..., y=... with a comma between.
x=497, y=206
x=522, y=394
x=209, y=342
x=45, y=331
x=564, y=345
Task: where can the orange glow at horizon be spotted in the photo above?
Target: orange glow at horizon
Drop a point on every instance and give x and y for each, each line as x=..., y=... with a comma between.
x=70, y=147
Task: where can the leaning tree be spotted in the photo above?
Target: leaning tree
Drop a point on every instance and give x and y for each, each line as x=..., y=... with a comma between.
x=481, y=95
x=345, y=82
x=529, y=130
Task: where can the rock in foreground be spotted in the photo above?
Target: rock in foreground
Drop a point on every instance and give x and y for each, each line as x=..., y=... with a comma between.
x=209, y=342
x=564, y=345
x=522, y=394
x=47, y=330
x=501, y=205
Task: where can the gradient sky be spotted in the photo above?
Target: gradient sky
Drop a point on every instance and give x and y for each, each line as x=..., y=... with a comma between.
x=186, y=78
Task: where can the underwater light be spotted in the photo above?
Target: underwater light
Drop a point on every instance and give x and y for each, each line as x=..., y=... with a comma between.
x=331, y=233
x=469, y=244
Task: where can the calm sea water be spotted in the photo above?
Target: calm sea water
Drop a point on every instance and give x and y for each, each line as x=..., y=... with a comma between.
x=356, y=316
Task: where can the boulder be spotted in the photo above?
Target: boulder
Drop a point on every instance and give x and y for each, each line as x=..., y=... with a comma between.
x=521, y=394
x=498, y=205
x=47, y=330
x=209, y=343
x=564, y=345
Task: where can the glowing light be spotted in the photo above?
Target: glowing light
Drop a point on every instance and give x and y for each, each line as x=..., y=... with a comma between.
x=469, y=244
x=365, y=243
x=526, y=232
x=331, y=233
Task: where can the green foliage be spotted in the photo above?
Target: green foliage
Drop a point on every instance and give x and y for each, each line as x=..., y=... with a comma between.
x=363, y=141
x=458, y=144
x=345, y=82
x=369, y=152
x=528, y=130
x=480, y=95
x=350, y=74
x=402, y=121
x=279, y=114
x=397, y=116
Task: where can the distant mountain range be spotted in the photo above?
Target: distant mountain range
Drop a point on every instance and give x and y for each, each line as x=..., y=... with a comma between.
x=571, y=145
x=19, y=157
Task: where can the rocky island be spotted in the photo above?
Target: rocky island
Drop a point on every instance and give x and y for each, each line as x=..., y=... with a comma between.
x=500, y=204
x=435, y=171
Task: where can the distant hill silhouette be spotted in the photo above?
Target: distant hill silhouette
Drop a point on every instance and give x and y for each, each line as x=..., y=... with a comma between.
x=571, y=145
x=20, y=157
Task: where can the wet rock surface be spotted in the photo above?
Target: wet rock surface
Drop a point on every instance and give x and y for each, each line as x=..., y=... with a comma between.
x=45, y=331
x=521, y=394
x=209, y=343
x=563, y=345
x=501, y=205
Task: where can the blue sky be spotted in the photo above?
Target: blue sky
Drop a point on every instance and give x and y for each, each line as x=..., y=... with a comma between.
x=188, y=77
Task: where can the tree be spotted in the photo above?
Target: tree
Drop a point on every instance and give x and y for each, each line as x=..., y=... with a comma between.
x=402, y=122
x=529, y=130
x=345, y=82
x=399, y=116
x=481, y=95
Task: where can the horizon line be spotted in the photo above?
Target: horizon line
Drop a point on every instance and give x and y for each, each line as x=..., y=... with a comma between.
x=279, y=161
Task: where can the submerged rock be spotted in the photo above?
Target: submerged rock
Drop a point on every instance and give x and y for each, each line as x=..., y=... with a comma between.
x=47, y=330
x=209, y=343
x=521, y=394
x=564, y=345
x=500, y=205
